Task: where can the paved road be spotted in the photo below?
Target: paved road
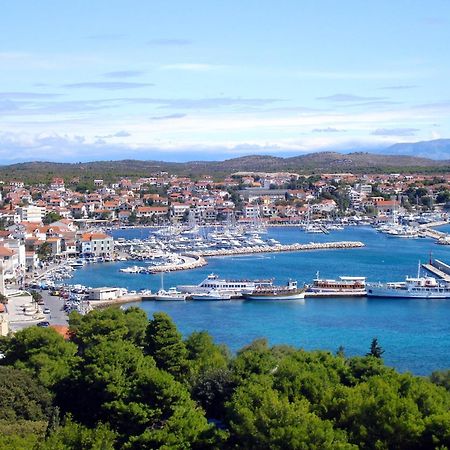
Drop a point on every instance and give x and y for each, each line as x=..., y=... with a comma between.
x=57, y=314
x=19, y=321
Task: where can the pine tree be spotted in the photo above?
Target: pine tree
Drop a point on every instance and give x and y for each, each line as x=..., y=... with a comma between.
x=375, y=349
x=164, y=343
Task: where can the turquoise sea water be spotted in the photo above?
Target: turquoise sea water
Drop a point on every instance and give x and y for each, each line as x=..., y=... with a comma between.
x=414, y=333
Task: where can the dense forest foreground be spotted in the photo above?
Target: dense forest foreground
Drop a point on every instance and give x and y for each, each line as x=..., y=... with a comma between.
x=121, y=381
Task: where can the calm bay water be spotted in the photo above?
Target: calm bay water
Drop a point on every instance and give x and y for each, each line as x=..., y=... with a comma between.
x=414, y=333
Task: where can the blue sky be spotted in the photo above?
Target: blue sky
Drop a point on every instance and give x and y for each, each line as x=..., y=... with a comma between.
x=181, y=80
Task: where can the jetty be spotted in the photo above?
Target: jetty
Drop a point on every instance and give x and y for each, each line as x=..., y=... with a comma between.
x=197, y=259
x=98, y=304
x=279, y=248
x=438, y=269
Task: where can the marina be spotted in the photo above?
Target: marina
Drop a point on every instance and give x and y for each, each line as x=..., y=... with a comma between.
x=315, y=322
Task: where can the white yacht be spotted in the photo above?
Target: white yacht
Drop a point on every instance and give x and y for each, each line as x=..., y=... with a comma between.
x=170, y=295
x=234, y=287
x=132, y=269
x=213, y=295
x=418, y=287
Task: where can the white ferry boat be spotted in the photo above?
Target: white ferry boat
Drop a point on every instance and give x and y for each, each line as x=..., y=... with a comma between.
x=419, y=287
x=343, y=287
x=234, y=287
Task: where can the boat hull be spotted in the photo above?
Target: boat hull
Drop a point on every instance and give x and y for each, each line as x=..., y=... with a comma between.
x=210, y=298
x=285, y=296
x=350, y=293
x=161, y=298
x=404, y=293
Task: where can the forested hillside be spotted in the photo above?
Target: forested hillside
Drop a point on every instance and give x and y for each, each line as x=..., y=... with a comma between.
x=34, y=172
x=123, y=382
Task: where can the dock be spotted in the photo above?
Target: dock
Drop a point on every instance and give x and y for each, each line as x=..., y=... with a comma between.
x=283, y=248
x=439, y=269
x=427, y=230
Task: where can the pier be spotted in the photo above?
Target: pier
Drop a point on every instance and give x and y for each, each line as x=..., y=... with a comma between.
x=428, y=231
x=439, y=269
x=197, y=259
x=283, y=248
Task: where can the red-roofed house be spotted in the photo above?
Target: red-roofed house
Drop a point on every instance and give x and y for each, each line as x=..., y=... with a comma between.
x=96, y=244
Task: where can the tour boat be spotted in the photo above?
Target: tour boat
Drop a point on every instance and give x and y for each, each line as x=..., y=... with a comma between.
x=213, y=282
x=288, y=292
x=421, y=287
x=343, y=287
x=418, y=287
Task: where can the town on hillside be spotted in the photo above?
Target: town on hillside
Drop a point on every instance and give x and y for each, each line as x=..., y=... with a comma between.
x=46, y=225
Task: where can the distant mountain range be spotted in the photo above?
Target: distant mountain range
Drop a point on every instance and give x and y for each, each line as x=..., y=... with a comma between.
x=436, y=149
x=358, y=162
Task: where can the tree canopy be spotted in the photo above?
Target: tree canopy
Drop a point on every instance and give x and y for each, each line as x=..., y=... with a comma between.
x=124, y=382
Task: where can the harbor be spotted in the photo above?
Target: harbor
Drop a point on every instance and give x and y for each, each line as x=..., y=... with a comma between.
x=311, y=322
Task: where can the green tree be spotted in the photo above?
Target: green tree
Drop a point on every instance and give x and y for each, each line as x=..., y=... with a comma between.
x=108, y=324
x=22, y=397
x=51, y=217
x=37, y=296
x=441, y=378
x=259, y=417
x=132, y=218
x=204, y=355
x=73, y=436
x=21, y=434
x=42, y=352
x=165, y=345
x=443, y=196
x=106, y=373
x=212, y=390
x=340, y=351
x=44, y=251
x=159, y=413
x=255, y=358
x=375, y=349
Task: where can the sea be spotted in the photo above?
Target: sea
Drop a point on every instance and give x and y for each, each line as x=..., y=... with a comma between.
x=415, y=333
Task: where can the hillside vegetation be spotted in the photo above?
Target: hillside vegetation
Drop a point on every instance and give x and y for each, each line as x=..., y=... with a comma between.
x=123, y=382
x=311, y=163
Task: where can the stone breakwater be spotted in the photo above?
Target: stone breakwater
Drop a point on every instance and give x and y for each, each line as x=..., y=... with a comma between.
x=197, y=259
x=283, y=248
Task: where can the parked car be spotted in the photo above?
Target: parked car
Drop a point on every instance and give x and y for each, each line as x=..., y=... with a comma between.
x=43, y=324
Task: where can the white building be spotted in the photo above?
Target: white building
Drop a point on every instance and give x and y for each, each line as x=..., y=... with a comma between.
x=96, y=244
x=31, y=213
x=105, y=293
